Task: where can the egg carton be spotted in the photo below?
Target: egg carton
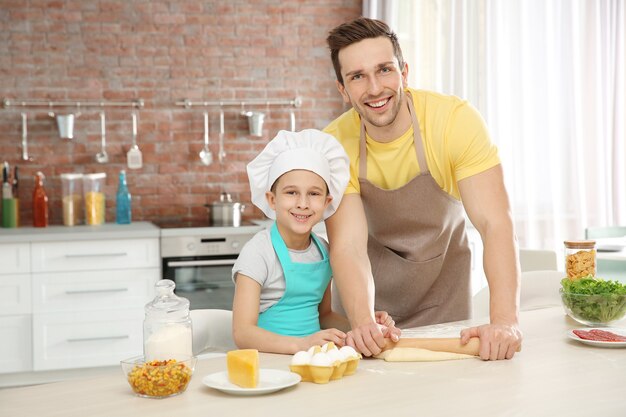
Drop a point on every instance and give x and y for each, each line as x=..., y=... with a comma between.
x=324, y=374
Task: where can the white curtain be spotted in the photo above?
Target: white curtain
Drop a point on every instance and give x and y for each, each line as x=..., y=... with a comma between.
x=549, y=78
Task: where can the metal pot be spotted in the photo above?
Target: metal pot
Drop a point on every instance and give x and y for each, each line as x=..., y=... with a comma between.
x=225, y=212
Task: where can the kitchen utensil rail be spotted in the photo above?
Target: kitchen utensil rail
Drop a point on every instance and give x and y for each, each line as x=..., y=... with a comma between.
x=295, y=102
x=138, y=103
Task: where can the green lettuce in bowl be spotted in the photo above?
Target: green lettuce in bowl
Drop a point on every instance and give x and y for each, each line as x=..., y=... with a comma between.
x=594, y=301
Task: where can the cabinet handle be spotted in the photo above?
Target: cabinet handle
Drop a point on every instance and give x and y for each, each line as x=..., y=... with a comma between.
x=93, y=255
x=71, y=292
x=91, y=339
x=222, y=262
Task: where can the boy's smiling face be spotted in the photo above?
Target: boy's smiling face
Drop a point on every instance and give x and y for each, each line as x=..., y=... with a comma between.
x=299, y=198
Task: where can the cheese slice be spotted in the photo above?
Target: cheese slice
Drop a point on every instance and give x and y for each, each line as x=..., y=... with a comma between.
x=243, y=367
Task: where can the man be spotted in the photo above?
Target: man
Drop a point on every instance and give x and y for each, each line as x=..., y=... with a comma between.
x=400, y=229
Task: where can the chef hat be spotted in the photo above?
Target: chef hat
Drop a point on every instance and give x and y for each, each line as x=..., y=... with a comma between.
x=310, y=149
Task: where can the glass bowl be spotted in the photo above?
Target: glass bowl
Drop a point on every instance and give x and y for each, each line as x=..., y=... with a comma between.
x=158, y=379
x=595, y=310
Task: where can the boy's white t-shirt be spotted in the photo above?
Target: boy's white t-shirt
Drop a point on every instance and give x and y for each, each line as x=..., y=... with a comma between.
x=259, y=261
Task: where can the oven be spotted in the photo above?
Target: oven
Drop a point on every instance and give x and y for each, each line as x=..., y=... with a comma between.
x=200, y=261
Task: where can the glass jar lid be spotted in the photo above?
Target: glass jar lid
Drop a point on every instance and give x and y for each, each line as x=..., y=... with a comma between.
x=166, y=304
x=580, y=244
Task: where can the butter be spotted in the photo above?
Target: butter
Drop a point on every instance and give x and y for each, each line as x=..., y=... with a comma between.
x=243, y=367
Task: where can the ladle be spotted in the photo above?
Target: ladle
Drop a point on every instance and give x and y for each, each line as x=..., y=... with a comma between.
x=205, y=154
x=292, y=120
x=102, y=157
x=221, y=155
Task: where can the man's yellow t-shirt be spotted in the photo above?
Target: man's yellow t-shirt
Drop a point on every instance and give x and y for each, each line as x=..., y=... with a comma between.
x=455, y=137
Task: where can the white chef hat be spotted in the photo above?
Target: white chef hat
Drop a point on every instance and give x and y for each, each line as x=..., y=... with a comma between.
x=311, y=150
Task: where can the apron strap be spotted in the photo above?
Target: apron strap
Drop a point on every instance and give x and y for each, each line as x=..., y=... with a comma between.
x=417, y=137
x=283, y=252
x=362, y=153
x=279, y=247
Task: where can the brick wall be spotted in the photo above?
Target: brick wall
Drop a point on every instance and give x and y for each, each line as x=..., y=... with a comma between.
x=161, y=51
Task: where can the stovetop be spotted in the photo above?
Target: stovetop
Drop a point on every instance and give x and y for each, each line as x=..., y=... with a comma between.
x=196, y=230
x=183, y=224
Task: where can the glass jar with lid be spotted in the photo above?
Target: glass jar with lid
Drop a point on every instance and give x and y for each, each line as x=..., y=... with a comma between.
x=93, y=189
x=167, y=332
x=580, y=258
x=72, y=189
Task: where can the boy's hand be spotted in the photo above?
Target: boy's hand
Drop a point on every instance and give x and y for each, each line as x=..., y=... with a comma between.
x=324, y=336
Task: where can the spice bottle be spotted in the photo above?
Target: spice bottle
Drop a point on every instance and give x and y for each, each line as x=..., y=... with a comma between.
x=167, y=332
x=123, y=213
x=580, y=258
x=40, y=202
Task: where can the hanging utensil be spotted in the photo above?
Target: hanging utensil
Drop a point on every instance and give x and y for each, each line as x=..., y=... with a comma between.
x=133, y=156
x=102, y=157
x=292, y=120
x=24, y=137
x=255, y=122
x=15, y=184
x=205, y=154
x=221, y=155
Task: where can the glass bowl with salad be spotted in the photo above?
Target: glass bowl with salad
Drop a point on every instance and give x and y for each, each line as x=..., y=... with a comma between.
x=593, y=301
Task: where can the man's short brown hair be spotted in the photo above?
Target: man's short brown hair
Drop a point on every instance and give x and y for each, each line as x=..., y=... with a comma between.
x=355, y=31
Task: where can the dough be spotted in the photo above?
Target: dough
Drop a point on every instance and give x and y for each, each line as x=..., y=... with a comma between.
x=401, y=354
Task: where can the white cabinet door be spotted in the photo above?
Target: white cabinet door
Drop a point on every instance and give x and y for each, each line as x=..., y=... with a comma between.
x=15, y=344
x=93, y=290
x=15, y=294
x=14, y=258
x=95, y=255
x=86, y=338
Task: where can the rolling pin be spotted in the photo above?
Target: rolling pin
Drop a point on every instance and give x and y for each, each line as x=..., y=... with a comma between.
x=452, y=344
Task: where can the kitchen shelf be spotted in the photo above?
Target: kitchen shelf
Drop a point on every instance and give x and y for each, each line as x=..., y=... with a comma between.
x=295, y=102
x=139, y=103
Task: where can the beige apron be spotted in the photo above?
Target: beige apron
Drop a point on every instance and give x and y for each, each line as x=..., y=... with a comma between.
x=417, y=245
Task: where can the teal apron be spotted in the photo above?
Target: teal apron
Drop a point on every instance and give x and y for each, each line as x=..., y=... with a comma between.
x=296, y=313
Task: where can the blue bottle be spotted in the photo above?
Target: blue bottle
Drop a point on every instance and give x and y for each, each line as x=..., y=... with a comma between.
x=123, y=201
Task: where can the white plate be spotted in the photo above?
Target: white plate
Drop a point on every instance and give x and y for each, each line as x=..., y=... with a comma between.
x=270, y=380
x=621, y=332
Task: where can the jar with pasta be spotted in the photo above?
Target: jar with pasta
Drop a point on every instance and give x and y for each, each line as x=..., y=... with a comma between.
x=580, y=258
x=72, y=188
x=93, y=188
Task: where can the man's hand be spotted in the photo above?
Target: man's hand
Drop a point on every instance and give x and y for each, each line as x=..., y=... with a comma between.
x=497, y=341
x=369, y=338
x=391, y=331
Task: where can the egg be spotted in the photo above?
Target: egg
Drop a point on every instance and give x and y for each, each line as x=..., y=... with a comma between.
x=321, y=359
x=334, y=355
x=328, y=346
x=314, y=349
x=347, y=353
x=301, y=358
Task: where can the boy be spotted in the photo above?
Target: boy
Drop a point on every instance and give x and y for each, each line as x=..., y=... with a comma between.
x=282, y=298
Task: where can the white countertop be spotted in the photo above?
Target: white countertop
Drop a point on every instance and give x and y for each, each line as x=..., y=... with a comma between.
x=81, y=232
x=551, y=376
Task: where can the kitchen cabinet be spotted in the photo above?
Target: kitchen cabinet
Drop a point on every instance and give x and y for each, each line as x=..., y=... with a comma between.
x=15, y=308
x=79, y=300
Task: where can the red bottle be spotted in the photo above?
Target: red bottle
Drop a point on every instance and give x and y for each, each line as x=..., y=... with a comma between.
x=40, y=202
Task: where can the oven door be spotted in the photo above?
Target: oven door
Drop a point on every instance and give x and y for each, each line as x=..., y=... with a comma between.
x=204, y=280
